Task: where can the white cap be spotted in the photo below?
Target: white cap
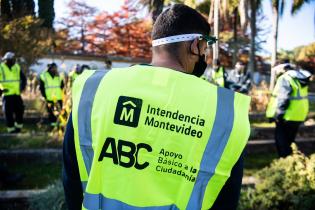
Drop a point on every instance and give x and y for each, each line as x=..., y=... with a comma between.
x=305, y=73
x=302, y=74
x=8, y=55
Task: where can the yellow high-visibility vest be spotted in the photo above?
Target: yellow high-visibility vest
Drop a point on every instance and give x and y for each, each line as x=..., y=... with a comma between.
x=218, y=77
x=10, y=80
x=156, y=138
x=298, y=106
x=53, y=89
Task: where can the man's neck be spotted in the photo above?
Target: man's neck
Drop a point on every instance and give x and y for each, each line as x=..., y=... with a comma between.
x=166, y=61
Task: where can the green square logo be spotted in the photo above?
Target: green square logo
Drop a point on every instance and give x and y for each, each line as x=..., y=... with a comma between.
x=128, y=111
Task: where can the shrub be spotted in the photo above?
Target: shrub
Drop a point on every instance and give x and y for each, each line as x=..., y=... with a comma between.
x=52, y=199
x=287, y=184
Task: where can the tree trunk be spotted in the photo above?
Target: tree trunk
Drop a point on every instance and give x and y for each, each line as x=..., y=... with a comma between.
x=5, y=12
x=46, y=12
x=243, y=11
x=216, y=30
x=235, y=45
x=225, y=10
x=274, y=50
x=253, y=29
x=82, y=40
x=210, y=20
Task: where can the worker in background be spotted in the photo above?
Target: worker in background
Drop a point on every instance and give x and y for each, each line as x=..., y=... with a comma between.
x=108, y=64
x=288, y=106
x=85, y=67
x=218, y=74
x=74, y=73
x=239, y=79
x=51, y=86
x=77, y=71
x=161, y=136
x=12, y=83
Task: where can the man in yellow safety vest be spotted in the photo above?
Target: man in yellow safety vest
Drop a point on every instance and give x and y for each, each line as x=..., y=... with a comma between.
x=51, y=86
x=156, y=136
x=218, y=74
x=12, y=82
x=76, y=72
x=288, y=106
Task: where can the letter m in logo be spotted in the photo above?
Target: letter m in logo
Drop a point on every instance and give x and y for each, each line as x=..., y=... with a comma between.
x=128, y=111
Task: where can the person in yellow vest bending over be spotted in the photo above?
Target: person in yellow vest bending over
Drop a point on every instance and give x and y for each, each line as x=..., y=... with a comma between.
x=218, y=74
x=51, y=86
x=77, y=71
x=155, y=136
x=74, y=73
x=288, y=107
x=12, y=82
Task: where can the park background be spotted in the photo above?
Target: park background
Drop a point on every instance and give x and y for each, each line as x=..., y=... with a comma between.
x=70, y=32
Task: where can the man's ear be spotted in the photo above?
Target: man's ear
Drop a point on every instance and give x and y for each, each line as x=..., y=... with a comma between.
x=194, y=47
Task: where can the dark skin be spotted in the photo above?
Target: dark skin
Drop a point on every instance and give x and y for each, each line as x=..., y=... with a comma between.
x=53, y=71
x=187, y=59
x=10, y=62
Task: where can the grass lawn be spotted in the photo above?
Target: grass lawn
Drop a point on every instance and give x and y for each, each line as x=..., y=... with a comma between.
x=29, y=142
x=263, y=125
x=40, y=174
x=255, y=162
x=27, y=128
x=37, y=175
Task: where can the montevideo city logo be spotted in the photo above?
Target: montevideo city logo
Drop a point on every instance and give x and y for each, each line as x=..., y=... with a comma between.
x=128, y=111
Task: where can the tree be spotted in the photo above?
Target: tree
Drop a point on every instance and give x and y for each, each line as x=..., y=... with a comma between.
x=77, y=20
x=23, y=36
x=11, y=9
x=21, y=8
x=46, y=12
x=6, y=12
x=254, y=5
x=121, y=33
x=216, y=29
x=278, y=8
x=155, y=6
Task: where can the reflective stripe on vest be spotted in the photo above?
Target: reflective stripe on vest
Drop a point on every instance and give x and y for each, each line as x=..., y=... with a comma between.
x=10, y=79
x=52, y=86
x=213, y=161
x=84, y=117
x=218, y=77
x=215, y=146
x=298, y=107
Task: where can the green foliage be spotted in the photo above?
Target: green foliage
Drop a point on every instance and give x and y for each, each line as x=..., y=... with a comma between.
x=297, y=5
x=286, y=54
x=53, y=199
x=25, y=37
x=46, y=12
x=38, y=174
x=302, y=55
x=305, y=52
x=204, y=7
x=287, y=184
